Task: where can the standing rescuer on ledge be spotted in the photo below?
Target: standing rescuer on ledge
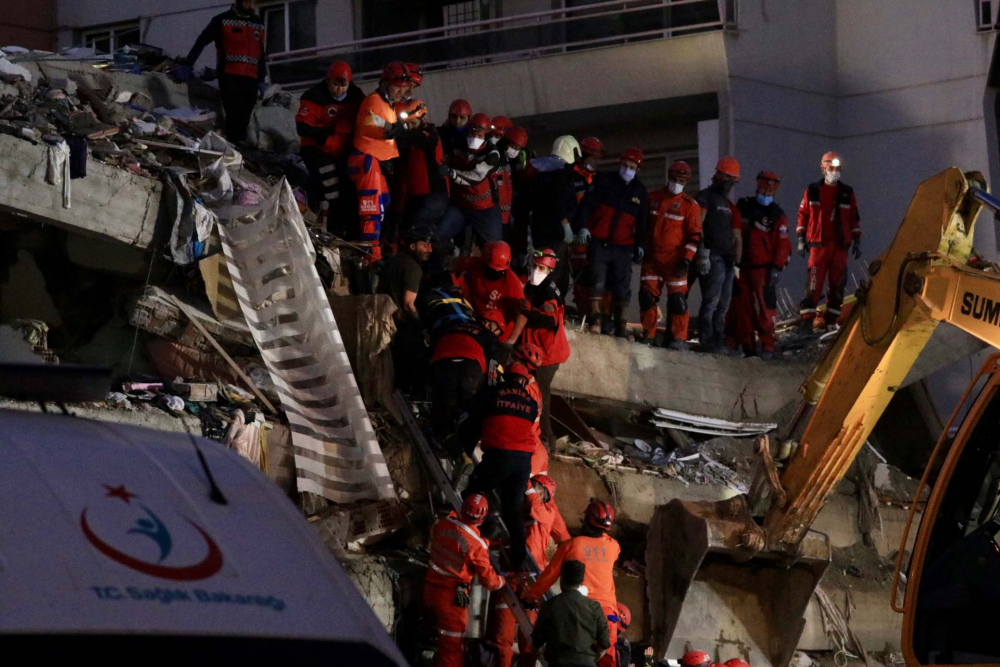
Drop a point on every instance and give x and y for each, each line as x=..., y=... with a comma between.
x=240, y=46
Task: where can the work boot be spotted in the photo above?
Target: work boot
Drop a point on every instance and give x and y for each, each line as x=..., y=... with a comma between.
x=677, y=345
x=595, y=315
x=621, y=320
x=766, y=355
x=819, y=325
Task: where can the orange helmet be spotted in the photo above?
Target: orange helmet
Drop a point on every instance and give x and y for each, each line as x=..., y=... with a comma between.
x=475, y=508
x=460, y=108
x=625, y=616
x=530, y=355
x=729, y=166
x=592, y=146
x=696, y=659
x=599, y=514
x=547, y=482
x=517, y=136
x=500, y=124
x=410, y=109
x=339, y=72
x=830, y=158
x=633, y=154
x=679, y=169
x=496, y=254
x=396, y=73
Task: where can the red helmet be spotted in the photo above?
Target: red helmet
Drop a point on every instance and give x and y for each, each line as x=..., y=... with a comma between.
x=696, y=659
x=679, y=169
x=460, y=108
x=494, y=316
x=480, y=121
x=768, y=181
x=736, y=662
x=496, y=254
x=517, y=136
x=416, y=76
x=530, y=355
x=500, y=124
x=831, y=158
x=599, y=514
x=475, y=508
x=518, y=368
x=633, y=154
x=396, y=73
x=728, y=166
x=547, y=482
x=625, y=616
x=339, y=72
x=547, y=257
x=592, y=146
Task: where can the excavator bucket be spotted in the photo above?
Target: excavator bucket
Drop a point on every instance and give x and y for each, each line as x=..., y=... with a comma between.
x=706, y=593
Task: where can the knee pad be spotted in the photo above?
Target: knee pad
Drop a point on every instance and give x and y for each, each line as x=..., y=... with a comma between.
x=677, y=304
x=647, y=299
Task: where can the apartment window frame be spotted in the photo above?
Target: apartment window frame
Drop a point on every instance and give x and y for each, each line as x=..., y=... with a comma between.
x=285, y=6
x=985, y=15
x=113, y=34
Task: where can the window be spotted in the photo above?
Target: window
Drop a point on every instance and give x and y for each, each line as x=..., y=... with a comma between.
x=984, y=15
x=109, y=40
x=289, y=25
x=461, y=12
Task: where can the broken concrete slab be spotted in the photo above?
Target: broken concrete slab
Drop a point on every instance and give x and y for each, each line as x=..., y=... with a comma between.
x=154, y=419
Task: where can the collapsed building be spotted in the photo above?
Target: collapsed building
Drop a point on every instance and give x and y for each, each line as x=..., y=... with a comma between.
x=179, y=261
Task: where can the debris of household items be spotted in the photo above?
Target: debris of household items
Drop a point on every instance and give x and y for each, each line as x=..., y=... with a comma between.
x=156, y=312
x=272, y=124
x=360, y=525
x=682, y=421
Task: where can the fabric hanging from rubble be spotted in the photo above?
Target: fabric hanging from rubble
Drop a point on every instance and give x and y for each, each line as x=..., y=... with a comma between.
x=272, y=263
x=192, y=222
x=57, y=168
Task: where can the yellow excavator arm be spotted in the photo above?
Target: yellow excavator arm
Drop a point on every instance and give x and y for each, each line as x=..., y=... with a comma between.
x=757, y=576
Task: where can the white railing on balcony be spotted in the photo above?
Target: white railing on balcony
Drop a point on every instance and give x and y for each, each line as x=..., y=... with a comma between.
x=512, y=37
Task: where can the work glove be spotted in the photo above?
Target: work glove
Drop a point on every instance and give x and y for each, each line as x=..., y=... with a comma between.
x=736, y=272
x=377, y=120
x=856, y=248
x=567, y=232
x=583, y=236
x=703, y=262
x=462, y=595
x=802, y=247
x=639, y=254
x=184, y=73
x=772, y=277
x=683, y=268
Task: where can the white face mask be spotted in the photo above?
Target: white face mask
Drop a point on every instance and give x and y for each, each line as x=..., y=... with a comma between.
x=589, y=167
x=494, y=139
x=832, y=177
x=626, y=174
x=513, y=152
x=538, y=277
x=675, y=188
x=475, y=142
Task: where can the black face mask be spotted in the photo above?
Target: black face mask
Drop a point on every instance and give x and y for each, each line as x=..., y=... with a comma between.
x=493, y=274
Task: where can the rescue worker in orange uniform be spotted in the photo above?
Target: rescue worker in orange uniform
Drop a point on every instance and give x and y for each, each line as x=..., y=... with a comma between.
x=457, y=553
x=674, y=235
x=544, y=316
x=504, y=426
x=545, y=525
x=425, y=189
x=623, y=648
x=374, y=146
x=473, y=201
x=828, y=225
x=454, y=130
x=598, y=551
x=489, y=284
x=241, y=51
x=766, y=249
x=584, y=170
x=325, y=123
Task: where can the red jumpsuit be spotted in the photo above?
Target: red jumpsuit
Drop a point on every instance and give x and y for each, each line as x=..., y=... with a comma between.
x=599, y=555
x=673, y=237
x=765, y=247
x=457, y=554
x=545, y=524
x=371, y=148
x=504, y=294
x=829, y=222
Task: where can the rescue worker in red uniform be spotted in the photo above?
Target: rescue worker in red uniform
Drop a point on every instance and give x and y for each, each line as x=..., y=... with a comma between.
x=325, y=123
x=510, y=145
x=674, y=235
x=544, y=316
x=828, y=225
x=612, y=219
x=455, y=128
x=598, y=551
x=544, y=526
x=375, y=135
x=425, y=189
x=584, y=170
x=240, y=47
x=489, y=284
x=473, y=202
x=504, y=426
x=766, y=249
x=458, y=553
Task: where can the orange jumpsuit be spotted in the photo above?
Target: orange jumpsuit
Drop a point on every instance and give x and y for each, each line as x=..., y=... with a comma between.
x=371, y=148
x=457, y=554
x=599, y=555
x=539, y=457
x=673, y=237
x=545, y=524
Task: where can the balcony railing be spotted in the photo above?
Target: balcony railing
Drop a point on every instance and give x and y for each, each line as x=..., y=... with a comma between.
x=513, y=37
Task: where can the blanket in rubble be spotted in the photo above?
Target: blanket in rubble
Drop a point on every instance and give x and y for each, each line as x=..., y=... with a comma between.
x=272, y=263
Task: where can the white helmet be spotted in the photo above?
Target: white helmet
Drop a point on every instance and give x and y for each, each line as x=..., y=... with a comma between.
x=567, y=148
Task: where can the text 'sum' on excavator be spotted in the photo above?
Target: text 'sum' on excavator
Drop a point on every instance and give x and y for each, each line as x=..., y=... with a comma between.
x=750, y=564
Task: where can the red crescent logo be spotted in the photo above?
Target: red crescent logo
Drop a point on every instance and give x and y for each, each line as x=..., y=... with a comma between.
x=211, y=564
